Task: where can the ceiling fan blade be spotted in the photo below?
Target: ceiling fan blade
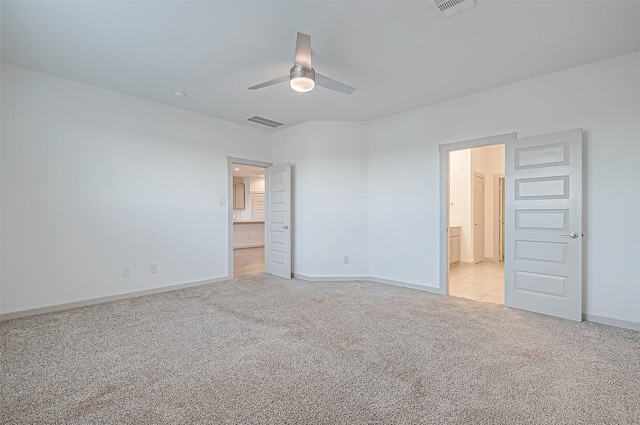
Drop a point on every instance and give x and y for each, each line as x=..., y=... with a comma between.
x=330, y=83
x=303, y=50
x=270, y=82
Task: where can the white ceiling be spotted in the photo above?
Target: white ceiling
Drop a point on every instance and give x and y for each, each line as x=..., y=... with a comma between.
x=398, y=55
x=241, y=170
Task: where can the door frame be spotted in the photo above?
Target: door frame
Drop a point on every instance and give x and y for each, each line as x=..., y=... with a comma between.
x=230, y=161
x=445, y=148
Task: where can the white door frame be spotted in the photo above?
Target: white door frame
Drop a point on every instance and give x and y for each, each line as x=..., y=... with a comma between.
x=445, y=148
x=230, y=161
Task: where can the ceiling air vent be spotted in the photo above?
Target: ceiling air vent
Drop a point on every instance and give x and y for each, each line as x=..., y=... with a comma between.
x=448, y=8
x=265, y=121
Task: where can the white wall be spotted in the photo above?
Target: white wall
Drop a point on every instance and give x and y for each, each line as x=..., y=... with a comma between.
x=330, y=196
x=94, y=181
x=602, y=98
x=460, y=200
x=489, y=161
x=403, y=241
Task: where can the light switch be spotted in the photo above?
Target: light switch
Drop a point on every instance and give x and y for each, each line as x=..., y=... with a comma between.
x=222, y=202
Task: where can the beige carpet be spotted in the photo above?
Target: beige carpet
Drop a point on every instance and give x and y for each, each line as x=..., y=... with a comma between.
x=261, y=350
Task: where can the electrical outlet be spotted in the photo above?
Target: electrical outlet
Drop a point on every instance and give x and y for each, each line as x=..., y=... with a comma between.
x=346, y=259
x=125, y=272
x=153, y=269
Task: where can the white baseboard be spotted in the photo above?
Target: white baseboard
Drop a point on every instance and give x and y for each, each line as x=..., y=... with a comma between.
x=431, y=289
x=100, y=300
x=368, y=279
x=634, y=326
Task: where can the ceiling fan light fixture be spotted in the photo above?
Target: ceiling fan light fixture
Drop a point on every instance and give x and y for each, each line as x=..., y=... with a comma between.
x=302, y=84
x=302, y=79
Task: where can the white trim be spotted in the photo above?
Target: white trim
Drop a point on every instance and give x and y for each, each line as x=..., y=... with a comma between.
x=445, y=148
x=625, y=324
x=432, y=289
x=230, y=161
x=101, y=300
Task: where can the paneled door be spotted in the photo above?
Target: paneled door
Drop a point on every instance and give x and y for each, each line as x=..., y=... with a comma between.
x=543, y=220
x=501, y=219
x=277, y=224
x=478, y=218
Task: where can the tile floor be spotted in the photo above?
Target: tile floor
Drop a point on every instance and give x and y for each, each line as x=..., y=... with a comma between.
x=481, y=282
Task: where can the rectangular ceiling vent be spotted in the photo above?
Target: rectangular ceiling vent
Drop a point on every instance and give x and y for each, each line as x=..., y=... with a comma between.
x=448, y=8
x=265, y=121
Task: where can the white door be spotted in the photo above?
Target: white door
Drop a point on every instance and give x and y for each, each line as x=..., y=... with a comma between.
x=543, y=220
x=478, y=218
x=277, y=224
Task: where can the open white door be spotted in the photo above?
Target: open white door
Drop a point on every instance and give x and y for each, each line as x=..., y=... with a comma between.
x=543, y=248
x=277, y=241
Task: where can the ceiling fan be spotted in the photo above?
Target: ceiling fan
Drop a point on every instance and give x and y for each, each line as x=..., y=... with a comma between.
x=302, y=77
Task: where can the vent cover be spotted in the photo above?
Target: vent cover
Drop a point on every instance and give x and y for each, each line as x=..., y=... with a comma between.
x=265, y=121
x=448, y=8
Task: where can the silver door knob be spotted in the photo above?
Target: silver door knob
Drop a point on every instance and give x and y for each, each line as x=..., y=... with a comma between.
x=285, y=226
x=572, y=235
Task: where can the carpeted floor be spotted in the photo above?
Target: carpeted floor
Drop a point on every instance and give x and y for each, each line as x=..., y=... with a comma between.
x=261, y=350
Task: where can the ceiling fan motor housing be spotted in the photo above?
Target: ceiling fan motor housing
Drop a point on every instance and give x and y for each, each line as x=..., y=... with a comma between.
x=300, y=71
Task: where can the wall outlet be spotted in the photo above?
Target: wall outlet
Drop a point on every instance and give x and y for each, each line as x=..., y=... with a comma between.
x=125, y=272
x=346, y=259
x=153, y=269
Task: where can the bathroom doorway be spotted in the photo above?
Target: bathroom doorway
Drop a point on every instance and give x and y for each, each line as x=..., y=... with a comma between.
x=476, y=260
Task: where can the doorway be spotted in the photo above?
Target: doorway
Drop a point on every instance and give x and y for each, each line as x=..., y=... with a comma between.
x=542, y=248
x=474, y=269
x=247, y=217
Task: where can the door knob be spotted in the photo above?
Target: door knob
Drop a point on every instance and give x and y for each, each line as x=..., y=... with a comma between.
x=285, y=226
x=572, y=235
